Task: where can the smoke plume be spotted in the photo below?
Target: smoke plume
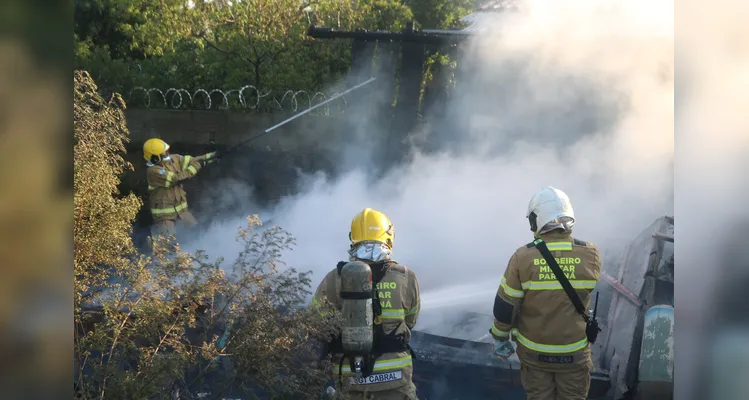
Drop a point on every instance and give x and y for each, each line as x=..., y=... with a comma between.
x=713, y=144
x=571, y=94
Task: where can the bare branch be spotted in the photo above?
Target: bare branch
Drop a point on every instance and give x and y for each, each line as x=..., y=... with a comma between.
x=220, y=50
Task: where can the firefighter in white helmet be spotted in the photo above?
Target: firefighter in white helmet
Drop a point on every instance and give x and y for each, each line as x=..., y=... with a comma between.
x=165, y=173
x=395, y=304
x=534, y=309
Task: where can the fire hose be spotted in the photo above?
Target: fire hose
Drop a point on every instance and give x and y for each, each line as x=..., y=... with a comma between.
x=237, y=146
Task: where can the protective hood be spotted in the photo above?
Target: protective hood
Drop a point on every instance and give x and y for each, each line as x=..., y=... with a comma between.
x=167, y=158
x=371, y=251
x=564, y=223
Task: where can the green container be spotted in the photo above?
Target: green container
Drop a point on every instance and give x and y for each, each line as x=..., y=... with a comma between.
x=657, y=350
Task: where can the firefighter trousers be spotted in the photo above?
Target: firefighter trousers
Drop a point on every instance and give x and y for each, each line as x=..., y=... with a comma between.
x=169, y=227
x=570, y=384
x=405, y=392
x=173, y=227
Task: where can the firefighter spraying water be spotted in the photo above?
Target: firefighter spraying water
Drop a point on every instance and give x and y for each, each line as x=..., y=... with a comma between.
x=166, y=172
x=237, y=146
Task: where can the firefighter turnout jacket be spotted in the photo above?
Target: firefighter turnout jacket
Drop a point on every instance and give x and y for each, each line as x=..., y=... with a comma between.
x=398, y=292
x=167, y=198
x=532, y=305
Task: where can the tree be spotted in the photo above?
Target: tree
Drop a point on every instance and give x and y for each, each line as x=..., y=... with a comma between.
x=269, y=35
x=131, y=29
x=222, y=44
x=256, y=32
x=440, y=14
x=386, y=15
x=117, y=40
x=151, y=326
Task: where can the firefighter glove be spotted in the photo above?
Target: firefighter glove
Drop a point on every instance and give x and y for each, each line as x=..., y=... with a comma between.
x=503, y=348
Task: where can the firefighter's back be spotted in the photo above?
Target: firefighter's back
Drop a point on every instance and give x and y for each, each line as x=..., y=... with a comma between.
x=393, y=370
x=384, y=370
x=549, y=332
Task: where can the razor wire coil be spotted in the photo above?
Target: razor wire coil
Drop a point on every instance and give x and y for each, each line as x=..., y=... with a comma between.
x=247, y=97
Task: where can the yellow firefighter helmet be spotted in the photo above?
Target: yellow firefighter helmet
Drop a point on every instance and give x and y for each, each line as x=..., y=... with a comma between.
x=154, y=147
x=371, y=225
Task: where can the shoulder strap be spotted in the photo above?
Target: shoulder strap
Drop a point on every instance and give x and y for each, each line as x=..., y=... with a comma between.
x=552, y=263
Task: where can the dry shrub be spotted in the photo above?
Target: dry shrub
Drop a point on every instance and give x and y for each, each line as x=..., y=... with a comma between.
x=171, y=324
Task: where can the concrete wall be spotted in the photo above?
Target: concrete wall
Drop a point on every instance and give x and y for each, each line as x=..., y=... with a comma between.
x=269, y=164
x=304, y=135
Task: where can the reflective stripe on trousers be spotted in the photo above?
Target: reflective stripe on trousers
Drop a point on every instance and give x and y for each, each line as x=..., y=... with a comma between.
x=384, y=365
x=549, y=348
x=170, y=210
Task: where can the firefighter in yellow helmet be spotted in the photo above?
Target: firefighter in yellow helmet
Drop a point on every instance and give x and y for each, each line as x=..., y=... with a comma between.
x=395, y=304
x=165, y=173
x=551, y=332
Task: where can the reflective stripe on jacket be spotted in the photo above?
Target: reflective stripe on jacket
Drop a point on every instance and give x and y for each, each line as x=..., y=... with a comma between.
x=532, y=305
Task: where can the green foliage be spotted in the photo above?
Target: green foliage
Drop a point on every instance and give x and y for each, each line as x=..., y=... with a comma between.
x=146, y=326
x=265, y=39
x=102, y=220
x=131, y=29
x=440, y=14
x=114, y=75
x=386, y=15
x=253, y=34
x=436, y=64
x=227, y=45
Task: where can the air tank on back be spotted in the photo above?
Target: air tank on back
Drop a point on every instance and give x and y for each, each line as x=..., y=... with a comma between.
x=356, y=295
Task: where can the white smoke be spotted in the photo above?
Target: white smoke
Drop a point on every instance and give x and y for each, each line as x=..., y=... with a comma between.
x=713, y=154
x=590, y=111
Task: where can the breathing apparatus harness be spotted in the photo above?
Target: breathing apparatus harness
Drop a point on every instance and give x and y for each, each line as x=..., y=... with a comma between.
x=383, y=342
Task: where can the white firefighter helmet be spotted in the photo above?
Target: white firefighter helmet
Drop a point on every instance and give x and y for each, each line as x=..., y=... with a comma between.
x=550, y=205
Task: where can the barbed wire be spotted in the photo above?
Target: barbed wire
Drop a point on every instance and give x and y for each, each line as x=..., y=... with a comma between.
x=247, y=97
